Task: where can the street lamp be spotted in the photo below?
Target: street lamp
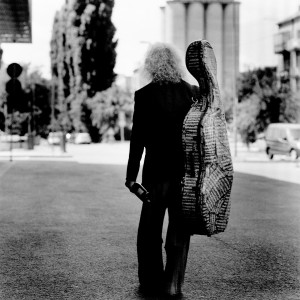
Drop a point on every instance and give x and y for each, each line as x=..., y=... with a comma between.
x=1, y=53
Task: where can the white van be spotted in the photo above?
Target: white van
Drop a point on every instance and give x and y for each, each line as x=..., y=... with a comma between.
x=283, y=139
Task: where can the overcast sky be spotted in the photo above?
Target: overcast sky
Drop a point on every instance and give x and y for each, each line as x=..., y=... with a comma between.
x=138, y=23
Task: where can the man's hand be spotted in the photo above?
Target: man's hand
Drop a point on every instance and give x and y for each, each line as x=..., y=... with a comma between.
x=129, y=184
x=138, y=190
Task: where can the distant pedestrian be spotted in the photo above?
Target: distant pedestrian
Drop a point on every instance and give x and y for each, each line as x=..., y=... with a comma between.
x=159, y=112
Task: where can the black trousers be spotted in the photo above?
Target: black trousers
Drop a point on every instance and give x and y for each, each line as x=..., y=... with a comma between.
x=151, y=271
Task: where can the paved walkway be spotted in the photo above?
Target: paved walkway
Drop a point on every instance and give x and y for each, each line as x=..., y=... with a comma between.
x=68, y=232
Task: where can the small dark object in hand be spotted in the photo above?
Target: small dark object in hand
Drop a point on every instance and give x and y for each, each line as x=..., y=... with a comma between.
x=140, y=192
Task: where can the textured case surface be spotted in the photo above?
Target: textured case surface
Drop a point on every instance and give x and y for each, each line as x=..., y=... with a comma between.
x=207, y=183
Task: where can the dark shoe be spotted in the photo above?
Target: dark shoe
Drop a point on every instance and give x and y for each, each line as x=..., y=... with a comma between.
x=171, y=290
x=176, y=296
x=147, y=290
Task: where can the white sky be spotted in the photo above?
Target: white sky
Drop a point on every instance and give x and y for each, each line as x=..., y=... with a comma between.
x=258, y=20
x=138, y=23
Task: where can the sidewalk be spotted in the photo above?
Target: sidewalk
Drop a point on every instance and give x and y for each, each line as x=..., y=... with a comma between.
x=43, y=152
x=250, y=161
x=114, y=153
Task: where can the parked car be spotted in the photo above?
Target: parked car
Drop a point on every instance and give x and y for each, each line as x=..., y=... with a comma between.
x=82, y=138
x=14, y=138
x=54, y=138
x=283, y=139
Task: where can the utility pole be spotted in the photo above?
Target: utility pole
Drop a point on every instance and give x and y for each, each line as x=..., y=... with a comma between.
x=122, y=124
x=234, y=89
x=52, y=103
x=63, y=121
x=1, y=53
x=31, y=126
x=14, y=91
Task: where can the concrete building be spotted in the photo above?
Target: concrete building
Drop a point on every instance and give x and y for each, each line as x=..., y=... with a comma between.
x=287, y=45
x=15, y=22
x=184, y=21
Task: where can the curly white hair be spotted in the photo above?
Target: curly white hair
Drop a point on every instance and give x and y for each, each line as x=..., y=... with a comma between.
x=163, y=63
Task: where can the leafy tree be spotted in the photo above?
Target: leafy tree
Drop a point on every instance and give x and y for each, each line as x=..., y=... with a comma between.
x=2, y=121
x=80, y=114
x=37, y=95
x=106, y=106
x=263, y=100
x=60, y=70
x=35, y=99
x=3, y=80
x=83, y=58
x=247, y=113
x=96, y=32
x=290, y=105
x=227, y=101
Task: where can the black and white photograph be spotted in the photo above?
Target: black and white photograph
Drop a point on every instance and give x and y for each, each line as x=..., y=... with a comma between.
x=149, y=149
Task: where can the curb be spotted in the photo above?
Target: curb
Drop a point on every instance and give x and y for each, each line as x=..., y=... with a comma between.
x=33, y=155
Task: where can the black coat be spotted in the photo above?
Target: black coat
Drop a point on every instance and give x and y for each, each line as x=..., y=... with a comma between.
x=158, y=117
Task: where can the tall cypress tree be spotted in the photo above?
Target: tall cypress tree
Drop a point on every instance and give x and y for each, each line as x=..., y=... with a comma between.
x=83, y=57
x=98, y=54
x=60, y=67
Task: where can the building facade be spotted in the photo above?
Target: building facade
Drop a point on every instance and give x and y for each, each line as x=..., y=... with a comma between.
x=184, y=21
x=15, y=22
x=287, y=45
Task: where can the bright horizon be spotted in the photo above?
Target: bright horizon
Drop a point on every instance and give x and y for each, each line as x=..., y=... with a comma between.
x=138, y=24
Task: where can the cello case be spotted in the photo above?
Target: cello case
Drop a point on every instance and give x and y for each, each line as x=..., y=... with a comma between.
x=206, y=185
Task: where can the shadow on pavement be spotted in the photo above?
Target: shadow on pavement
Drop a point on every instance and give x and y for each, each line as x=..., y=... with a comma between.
x=68, y=231
x=152, y=295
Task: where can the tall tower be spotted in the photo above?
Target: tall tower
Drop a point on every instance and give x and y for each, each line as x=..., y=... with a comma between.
x=217, y=21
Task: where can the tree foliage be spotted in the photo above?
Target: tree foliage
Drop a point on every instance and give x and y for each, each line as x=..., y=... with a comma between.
x=3, y=79
x=96, y=32
x=37, y=95
x=35, y=102
x=264, y=100
x=83, y=57
x=106, y=107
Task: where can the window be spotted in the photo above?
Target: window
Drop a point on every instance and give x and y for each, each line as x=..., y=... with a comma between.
x=295, y=133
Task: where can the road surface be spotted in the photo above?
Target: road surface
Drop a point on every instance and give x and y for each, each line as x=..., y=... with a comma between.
x=68, y=231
